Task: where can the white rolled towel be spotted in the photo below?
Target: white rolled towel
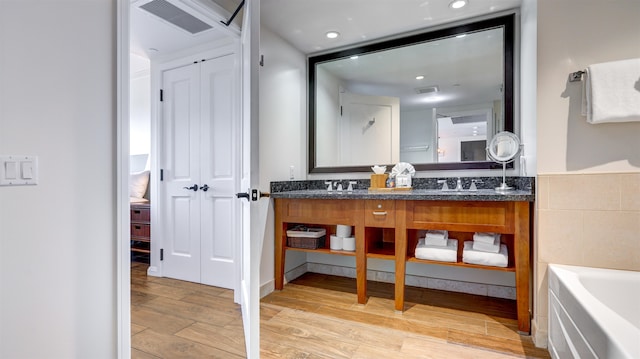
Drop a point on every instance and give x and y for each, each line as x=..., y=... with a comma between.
x=487, y=247
x=485, y=237
x=448, y=253
x=471, y=256
x=436, y=238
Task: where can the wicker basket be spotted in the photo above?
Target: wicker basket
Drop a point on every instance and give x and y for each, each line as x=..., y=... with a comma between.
x=306, y=238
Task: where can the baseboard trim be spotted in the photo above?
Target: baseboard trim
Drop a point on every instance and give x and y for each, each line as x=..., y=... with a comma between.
x=153, y=271
x=540, y=337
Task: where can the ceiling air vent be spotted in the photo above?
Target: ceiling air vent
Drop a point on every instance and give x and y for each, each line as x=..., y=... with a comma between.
x=469, y=119
x=173, y=14
x=428, y=89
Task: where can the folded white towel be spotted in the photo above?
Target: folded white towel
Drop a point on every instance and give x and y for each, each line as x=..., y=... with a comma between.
x=436, y=238
x=448, y=253
x=485, y=237
x=611, y=92
x=471, y=256
x=487, y=247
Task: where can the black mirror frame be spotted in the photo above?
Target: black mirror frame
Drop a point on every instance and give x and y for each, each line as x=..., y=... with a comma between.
x=507, y=22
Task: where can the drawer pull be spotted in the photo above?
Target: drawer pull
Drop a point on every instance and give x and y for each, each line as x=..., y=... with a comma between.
x=138, y=227
x=137, y=211
x=379, y=213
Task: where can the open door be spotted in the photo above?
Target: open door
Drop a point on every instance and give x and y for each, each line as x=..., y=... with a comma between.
x=252, y=224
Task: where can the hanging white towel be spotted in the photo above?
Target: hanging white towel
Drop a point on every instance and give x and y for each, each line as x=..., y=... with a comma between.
x=448, y=253
x=611, y=92
x=471, y=256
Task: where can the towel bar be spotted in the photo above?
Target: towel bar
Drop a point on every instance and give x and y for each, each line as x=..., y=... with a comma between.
x=576, y=76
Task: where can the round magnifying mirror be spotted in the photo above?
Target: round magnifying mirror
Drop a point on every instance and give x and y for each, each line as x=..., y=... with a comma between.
x=503, y=148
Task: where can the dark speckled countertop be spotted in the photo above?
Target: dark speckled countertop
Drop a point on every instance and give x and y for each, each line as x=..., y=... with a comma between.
x=423, y=189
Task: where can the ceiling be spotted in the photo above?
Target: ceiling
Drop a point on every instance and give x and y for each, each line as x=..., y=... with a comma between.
x=303, y=23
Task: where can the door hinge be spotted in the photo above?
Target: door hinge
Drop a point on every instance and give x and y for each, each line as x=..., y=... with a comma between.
x=161, y=254
x=161, y=175
x=161, y=95
x=340, y=110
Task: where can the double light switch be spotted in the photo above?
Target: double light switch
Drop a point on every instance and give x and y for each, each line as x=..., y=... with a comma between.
x=18, y=170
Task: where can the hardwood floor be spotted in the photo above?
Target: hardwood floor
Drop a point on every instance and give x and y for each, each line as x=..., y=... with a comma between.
x=316, y=316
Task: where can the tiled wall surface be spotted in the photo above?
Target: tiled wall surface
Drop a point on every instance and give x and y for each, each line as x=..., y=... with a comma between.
x=590, y=220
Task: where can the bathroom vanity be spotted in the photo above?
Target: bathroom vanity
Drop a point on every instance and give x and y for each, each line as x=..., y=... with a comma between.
x=387, y=226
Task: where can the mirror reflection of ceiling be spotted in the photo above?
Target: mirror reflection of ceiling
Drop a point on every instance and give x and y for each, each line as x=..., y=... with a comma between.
x=303, y=23
x=466, y=68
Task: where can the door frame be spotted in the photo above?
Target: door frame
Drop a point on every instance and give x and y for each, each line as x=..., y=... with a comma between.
x=122, y=221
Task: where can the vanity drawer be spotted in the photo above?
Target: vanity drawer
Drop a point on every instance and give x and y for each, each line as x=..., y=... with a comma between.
x=461, y=216
x=319, y=211
x=380, y=213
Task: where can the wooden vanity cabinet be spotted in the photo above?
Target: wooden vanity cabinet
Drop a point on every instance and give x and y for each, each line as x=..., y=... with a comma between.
x=389, y=229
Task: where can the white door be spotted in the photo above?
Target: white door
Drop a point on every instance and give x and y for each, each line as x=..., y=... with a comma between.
x=219, y=171
x=199, y=164
x=180, y=164
x=252, y=233
x=369, y=130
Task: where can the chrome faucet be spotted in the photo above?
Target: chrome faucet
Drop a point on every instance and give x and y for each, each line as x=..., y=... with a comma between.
x=459, y=185
x=350, y=188
x=329, y=185
x=473, y=184
x=444, y=184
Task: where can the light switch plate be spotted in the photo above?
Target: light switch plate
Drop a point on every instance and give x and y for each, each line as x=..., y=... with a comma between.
x=18, y=170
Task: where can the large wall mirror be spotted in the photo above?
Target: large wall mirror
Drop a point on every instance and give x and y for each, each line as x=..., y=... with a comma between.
x=432, y=99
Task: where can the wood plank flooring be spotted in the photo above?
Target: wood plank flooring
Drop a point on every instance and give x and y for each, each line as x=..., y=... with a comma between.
x=316, y=316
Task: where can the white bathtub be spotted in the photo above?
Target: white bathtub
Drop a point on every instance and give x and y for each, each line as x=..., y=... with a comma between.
x=593, y=313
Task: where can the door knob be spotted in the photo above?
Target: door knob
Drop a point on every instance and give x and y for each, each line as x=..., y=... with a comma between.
x=205, y=187
x=194, y=188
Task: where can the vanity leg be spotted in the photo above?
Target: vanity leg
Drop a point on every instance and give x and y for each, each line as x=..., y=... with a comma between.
x=521, y=255
x=400, y=253
x=279, y=246
x=361, y=255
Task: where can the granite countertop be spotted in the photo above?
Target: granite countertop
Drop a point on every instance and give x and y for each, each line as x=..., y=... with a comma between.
x=524, y=191
x=415, y=194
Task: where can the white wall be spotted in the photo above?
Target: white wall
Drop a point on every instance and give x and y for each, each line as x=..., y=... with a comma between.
x=57, y=239
x=283, y=130
x=140, y=106
x=604, y=31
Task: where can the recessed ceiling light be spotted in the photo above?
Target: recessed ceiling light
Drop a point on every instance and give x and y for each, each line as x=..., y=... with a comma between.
x=353, y=57
x=461, y=36
x=332, y=34
x=419, y=77
x=457, y=4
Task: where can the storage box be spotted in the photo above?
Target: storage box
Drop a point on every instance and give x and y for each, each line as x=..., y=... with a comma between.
x=306, y=237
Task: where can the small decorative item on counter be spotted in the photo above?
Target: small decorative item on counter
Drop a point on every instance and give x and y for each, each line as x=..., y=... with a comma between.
x=403, y=172
x=391, y=182
x=379, y=178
